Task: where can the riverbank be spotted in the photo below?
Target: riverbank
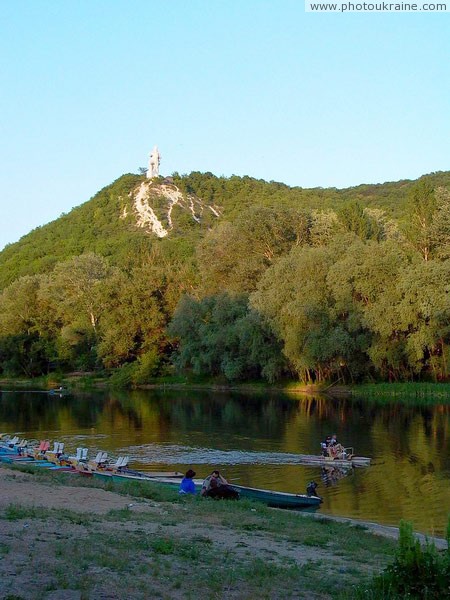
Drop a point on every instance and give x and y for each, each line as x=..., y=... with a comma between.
x=80, y=381
x=83, y=381
x=65, y=537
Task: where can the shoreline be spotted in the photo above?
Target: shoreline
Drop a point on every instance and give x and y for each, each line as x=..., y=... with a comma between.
x=37, y=497
x=85, y=382
x=387, y=531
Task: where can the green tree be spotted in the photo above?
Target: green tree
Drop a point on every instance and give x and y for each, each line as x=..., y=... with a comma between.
x=356, y=220
x=26, y=331
x=320, y=341
x=364, y=282
x=424, y=316
x=440, y=225
x=133, y=323
x=422, y=204
x=233, y=256
x=324, y=226
x=76, y=286
x=219, y=335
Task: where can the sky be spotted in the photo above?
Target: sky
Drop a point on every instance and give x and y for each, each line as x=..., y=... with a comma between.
x=237, y=87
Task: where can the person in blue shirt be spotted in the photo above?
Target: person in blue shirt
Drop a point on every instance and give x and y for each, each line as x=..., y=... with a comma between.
x=187, y=486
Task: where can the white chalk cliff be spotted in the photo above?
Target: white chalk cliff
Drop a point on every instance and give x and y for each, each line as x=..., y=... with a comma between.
x=153, y=206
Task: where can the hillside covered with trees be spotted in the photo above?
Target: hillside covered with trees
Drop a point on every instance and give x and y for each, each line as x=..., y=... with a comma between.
x=248, y=280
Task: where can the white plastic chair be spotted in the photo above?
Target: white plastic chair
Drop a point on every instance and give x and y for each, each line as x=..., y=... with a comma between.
x=120, y=463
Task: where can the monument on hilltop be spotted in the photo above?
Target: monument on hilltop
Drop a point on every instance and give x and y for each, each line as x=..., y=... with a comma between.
x=153, y=163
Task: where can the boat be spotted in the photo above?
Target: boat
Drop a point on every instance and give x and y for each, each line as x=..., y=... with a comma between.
x=269, y=497
x=17, y=451
x=312, y=460
x=17, y=460
x=59, y=391
x=278, y=499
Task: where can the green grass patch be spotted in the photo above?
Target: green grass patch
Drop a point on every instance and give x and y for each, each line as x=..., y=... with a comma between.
x=4, y=549
x=16, y=512
x=417, y=394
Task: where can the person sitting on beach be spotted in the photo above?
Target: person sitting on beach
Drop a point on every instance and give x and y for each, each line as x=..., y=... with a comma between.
x=187, y=486
x=216, y=486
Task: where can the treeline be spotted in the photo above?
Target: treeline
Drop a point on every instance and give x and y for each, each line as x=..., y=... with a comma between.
x=276, y=289
x=98, y=225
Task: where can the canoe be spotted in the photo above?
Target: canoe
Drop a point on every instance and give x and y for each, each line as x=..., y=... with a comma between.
x=268, y=497
x=164, y=474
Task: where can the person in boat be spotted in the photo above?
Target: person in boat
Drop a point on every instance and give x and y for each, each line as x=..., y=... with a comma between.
x=325, y=445
x=311, y=489
x=336, y=449
x=333, y=446
x=334, y=440
x=187, y=486
x=216, y=486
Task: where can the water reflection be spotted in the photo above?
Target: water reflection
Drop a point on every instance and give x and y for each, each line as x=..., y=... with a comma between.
x=256, y=439
x=332, y=475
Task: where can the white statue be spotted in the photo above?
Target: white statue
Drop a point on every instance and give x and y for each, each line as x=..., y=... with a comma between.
x=153, y=163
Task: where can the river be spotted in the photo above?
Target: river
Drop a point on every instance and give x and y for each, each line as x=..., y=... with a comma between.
x=254, y=440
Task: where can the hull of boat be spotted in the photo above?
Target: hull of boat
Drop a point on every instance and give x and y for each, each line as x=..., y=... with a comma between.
x=278, y=499
x=325, y=461
x=142, y=477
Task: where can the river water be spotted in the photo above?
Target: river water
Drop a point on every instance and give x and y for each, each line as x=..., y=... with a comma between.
x=254, y=440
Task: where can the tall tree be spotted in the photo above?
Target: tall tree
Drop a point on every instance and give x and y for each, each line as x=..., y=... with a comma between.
x=27, y=330
x=296, y=298
x=76, y=285
x=422, y=202
x=219, y=335
x=234, y=255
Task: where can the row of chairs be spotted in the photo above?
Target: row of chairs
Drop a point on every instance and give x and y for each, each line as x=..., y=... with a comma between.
x=13, y=442
x=56, y=454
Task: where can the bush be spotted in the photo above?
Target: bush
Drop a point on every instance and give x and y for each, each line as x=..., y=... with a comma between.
x=123, y=377
x=417, y=573
x=146, y=367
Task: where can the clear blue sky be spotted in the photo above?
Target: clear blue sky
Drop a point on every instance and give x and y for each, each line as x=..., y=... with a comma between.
x=245, y=87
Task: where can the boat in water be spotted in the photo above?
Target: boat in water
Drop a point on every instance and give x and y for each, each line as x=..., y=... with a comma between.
x=312, y=460
x=269, y=497
x=278, y=499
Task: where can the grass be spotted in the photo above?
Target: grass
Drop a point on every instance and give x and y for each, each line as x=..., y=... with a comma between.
x=16, y=512
x=408, y=393
x=4, y=549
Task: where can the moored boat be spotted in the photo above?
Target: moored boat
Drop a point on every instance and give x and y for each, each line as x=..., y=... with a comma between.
x=278, y=499
x=269, y=497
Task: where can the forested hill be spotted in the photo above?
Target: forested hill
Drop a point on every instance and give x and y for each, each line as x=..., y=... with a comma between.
x=235, y=278
x=111, y=225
